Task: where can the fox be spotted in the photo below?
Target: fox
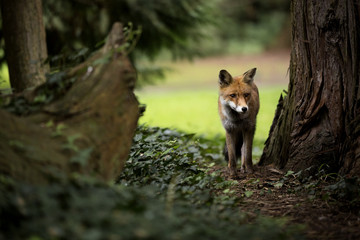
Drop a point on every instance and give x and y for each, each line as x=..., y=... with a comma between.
x=238, y=106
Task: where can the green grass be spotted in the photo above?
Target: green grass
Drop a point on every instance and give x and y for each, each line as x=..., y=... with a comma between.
x=196, y=112
x=4, y=77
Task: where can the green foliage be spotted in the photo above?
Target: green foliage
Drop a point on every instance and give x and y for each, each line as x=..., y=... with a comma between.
x=57, y=85
x=329, y=187
x=258, y=21
x=165, y=24
x=58, y=82
x=180, y=28
x=176, y=25
x=165, y=192
x=82, y=156
x=345, y=188
x=93, y=210
x=67, y=59
x=64, y=60
x=163, y=157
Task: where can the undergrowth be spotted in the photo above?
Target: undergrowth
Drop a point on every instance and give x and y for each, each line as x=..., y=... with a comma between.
x=166, y=191
x=174, y=161
x=330, y=187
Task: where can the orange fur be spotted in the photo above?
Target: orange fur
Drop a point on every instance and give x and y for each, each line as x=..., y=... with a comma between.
x=238, y=107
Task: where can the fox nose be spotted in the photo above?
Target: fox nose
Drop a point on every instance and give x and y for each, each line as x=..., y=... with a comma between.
x=244, y=109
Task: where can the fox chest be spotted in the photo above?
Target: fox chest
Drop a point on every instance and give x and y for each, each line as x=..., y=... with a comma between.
x=233, y=121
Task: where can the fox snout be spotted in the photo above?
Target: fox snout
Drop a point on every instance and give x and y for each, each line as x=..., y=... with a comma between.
x=237, y=108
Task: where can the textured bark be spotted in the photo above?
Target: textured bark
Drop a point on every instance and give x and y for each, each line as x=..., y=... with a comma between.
x=25, y=43
x=93, y=123
x=318, y=121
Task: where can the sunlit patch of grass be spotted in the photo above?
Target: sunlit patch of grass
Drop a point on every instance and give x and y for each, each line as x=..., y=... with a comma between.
x=189, y=111
x=195, y=111
x=4, y=77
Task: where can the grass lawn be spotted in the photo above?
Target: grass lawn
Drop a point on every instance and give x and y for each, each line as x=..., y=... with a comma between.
x=4, y=77
x=195, y=111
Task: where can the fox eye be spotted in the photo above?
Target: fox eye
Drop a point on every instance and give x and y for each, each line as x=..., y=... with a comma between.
x=246, y=94
x=233, y=95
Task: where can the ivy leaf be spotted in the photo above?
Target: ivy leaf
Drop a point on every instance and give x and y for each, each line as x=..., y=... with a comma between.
x=289, y=173
x=55, y=78
x=82, y=157
x=249, y=193
x=40, y=98
x=278, y=185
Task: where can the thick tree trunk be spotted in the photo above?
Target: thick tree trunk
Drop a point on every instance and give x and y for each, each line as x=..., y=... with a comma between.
x=318, y=121
x=89, y=130
x=25, y=43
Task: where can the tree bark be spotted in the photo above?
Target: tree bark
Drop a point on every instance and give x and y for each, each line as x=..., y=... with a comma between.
x=89, y=130
x=25, y=43
x=318, y=121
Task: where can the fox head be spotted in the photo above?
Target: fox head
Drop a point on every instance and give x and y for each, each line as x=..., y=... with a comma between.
x=236, y=92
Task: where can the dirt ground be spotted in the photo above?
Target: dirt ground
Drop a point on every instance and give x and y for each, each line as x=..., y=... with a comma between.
x=272, y=195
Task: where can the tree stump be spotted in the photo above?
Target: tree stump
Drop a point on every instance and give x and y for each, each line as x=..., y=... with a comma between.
x=88, y=130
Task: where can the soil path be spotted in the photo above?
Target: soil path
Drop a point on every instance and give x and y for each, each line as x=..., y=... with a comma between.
x=270, y=193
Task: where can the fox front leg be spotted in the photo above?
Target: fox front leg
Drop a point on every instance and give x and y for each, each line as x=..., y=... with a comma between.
x=230, y=144
x=246, y=149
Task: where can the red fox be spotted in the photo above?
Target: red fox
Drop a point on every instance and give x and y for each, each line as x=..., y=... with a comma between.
x=238, y=107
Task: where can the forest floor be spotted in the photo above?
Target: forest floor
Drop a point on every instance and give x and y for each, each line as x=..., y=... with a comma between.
x=162, y=167
x=270, y=192
x=313, y=203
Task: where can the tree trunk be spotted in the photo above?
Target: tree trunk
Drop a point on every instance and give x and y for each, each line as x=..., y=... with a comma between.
x=25, y=43
x=89, y=130
x=318, y=121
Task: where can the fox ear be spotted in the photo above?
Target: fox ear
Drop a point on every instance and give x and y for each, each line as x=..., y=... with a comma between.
x=249, y=76
x=224, y=78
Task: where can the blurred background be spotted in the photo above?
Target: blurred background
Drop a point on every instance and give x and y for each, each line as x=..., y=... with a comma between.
x=181, y=45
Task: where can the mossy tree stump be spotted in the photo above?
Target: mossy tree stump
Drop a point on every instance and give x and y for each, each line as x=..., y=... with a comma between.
x=87, y=130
